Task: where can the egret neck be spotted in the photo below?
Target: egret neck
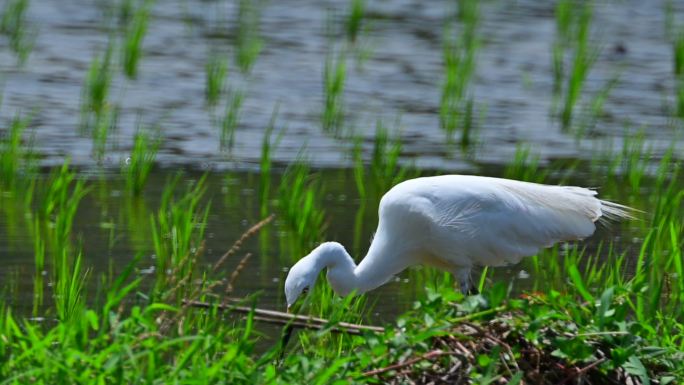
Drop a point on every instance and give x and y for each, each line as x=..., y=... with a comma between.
x=345, y=276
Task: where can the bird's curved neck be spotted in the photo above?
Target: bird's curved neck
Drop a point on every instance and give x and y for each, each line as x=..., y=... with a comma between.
x=374, y=270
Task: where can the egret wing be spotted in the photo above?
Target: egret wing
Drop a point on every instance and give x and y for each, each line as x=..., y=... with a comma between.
x=498, y=221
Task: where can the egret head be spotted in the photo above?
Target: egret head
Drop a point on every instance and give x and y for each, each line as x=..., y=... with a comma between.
x=300, y=279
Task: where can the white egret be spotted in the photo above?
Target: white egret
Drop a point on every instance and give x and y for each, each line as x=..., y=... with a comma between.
x=455, y=222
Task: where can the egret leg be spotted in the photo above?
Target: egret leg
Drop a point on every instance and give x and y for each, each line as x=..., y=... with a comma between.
x=462, y=276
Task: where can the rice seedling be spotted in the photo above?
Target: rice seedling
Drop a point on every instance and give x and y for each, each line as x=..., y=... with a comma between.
x=39, y=268
x=266, y=163
x=125, y=10
x=680, y=98
x=248, y=39
x=594, y=109
x=13, y=24
x=357, y=8
x=359, y=168
x=231, y=119
x=59, y=204
x=96, y=87
x=669, y=17
x=133, y=39
x=216, y=72
x=334, y=74
x=386, y=171
x=576, y=21
x=564, y=15
x=137, y=217
x=136, y=168
x=468, y=124
x=627, y=165
x=525, y=166
x=177, y=233
x=265, y=166
x=70, y=282
x=15, y=154
x=678, y=55
x=299, y=197
x=104, y=124
x=459, y=66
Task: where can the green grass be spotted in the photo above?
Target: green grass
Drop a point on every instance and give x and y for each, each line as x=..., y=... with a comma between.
x=668, y=6
x=216, y=72
x=564, y=17
x=39, y=253
x=133, y=39
x=357, y=9
x=594, y=110
x=334, y=77
x=105, y=124
x=98, y=116
x=268, y=145
x=136, y=168
x=13, y=24
x=299, y=196
x=125, y=9
x=58, y=205
x=384, y=169
x=573, y=33
x=525, y=166
x=177, y=235
x=248, y=42
x=231, y=118
x=678, y=55
x=15, y=154
x=459, y=57
x=96, y=88
x=628, y=165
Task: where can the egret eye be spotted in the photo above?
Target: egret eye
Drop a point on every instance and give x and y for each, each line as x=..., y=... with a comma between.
x=305, y=290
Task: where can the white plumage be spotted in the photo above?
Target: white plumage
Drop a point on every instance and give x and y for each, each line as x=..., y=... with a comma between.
x=455, y=222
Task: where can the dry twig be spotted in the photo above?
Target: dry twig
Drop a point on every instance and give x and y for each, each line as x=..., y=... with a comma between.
x=278, y=317
x=238, y=244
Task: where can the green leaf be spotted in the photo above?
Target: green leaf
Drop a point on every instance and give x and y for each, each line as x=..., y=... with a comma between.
x=516, y=379
x=497, y=294
x=573, y=349
x=635, y=367
x=331, y=370
x=93, y=320
x=576, y=278
x=604, y=310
